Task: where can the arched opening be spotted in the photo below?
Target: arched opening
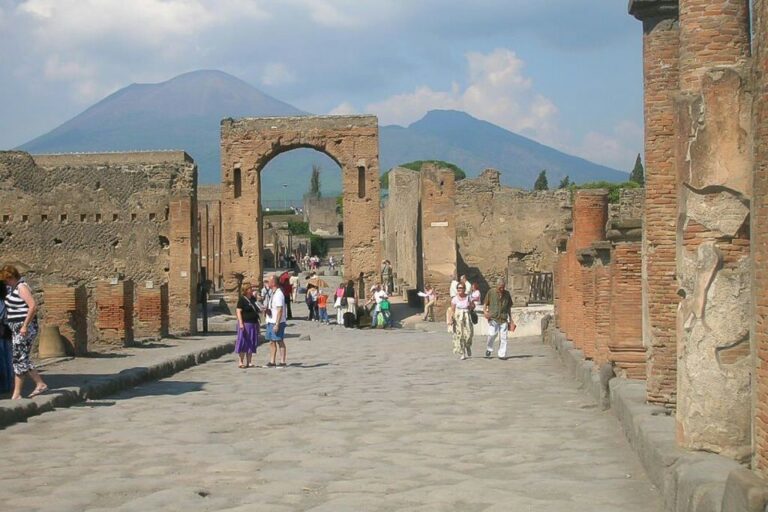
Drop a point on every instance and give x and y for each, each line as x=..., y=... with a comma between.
x=301, y=209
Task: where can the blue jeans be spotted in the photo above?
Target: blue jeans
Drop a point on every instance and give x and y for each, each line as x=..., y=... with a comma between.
x=323, y=314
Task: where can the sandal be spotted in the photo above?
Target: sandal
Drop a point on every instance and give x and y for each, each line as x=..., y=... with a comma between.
x=38, y=391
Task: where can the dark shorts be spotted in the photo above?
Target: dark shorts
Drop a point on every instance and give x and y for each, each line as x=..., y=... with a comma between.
x=276, y=333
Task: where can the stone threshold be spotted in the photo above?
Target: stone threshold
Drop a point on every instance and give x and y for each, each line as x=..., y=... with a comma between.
x=688, y=481
x=92, y=387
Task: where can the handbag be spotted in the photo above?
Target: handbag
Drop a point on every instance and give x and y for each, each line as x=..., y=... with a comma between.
x=473, y=316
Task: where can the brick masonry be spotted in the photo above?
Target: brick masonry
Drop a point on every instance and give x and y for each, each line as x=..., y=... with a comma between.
x=67, y=308
x=760, y=240
x=114, y=303
x=661, y=62
x=151, y=311
x=247, y=145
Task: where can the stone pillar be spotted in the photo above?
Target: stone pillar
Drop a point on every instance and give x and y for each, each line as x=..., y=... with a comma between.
x=661, y=72
x=114, y=303
x=559, y=278
x=625, y=347
x=151, y=311
x=760, y=240
x=715, y=163
x=67, y=307
x=182, y=280
x=438, y=233
x=590, y=214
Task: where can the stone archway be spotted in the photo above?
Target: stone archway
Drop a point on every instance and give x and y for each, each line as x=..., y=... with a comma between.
x=248, y=144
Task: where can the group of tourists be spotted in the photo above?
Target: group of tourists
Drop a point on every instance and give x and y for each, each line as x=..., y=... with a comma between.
x=463, y=314
x=18, y=331
x=272, y=304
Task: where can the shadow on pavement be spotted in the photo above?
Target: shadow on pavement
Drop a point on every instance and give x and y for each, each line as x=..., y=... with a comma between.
x=161, y=387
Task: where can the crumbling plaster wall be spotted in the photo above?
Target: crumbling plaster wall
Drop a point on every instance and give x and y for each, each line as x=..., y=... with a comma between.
x=493, y=222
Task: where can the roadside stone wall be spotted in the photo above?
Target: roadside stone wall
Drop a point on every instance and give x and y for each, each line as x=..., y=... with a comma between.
x=494, y=222
x=248, y=144
x=77, y=220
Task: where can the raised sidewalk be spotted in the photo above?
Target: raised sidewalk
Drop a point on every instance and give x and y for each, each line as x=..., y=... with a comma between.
x=75, y=380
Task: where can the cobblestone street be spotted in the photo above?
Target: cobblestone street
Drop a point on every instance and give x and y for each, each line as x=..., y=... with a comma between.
x=360, y=420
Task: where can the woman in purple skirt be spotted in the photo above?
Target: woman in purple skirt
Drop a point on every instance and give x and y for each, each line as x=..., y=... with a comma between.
x=248, y=311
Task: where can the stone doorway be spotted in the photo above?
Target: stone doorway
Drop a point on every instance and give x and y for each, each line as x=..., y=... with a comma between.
x=249, y=144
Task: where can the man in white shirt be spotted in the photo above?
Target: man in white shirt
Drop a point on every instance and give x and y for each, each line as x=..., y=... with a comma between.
x=277, y=317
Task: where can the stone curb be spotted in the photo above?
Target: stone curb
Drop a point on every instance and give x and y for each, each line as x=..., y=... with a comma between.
x=688, y=481
x=102, y=386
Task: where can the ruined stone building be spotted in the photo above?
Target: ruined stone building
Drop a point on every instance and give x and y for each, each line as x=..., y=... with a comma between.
x=683, y=307
x=107, y=241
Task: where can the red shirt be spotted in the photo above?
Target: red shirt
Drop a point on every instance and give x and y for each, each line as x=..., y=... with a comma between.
x=322, y=301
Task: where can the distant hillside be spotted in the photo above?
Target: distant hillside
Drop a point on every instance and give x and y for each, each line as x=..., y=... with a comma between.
x=474, y=145
x=185, y=113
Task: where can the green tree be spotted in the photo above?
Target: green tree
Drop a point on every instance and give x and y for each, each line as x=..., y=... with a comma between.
x=340, y=205
x=638, y=173
x=541, y=181
x=458, y=172
x=314, y=181
x=565, y=182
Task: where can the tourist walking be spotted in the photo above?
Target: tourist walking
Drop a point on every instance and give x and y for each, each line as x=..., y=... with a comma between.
x=322, y=307
x=248, y=313
x=6, y=351
x=430, y=298
x=350, y=294
x=20, y=316
x=311, y=300
x=498, y=311
x=461, y=322
x=476, y=297
x=340, y=303
x=276, y=321
x=386, y=276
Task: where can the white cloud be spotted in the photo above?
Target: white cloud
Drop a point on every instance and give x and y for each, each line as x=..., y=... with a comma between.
x=498, y=91
x=617, y=149
x=276, y=73
x=344, y=109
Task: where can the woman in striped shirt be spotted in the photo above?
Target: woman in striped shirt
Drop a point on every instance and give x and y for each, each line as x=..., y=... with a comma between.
x=21, y=309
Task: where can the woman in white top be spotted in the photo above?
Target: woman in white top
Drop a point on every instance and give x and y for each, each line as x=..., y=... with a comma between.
x=476, y=297
x=461, y=322
x=430, y=297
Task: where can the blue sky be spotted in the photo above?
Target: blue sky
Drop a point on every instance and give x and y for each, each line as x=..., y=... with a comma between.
x=565, y=72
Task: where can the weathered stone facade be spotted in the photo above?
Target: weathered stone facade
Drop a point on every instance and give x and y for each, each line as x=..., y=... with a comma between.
x=81, y=219
x=401, y=227
x=494, y=222
x=322, y=216
x=247, y=145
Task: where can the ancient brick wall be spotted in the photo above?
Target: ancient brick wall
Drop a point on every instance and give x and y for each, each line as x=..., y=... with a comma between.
x=247, y=145
x=150, y=319
x=67, y=308
x=114, y=304
x=494, y=222
x=209, y=226
x=401, y=243
x=661, y=72
x=760, y=239
x=625, y=342
x=79, y=219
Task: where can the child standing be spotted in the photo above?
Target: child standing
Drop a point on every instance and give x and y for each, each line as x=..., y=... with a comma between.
x=322, y=306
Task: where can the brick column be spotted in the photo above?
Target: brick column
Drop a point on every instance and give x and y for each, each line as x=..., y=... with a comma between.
x=661, y=72
x=626, y=348
x=590, y=214
x=586, y=277
x=67, y=307
x=114, y=303
x=151, y=312
x=760, y=240
x=182, y=280
x=558, y=276
x=602, y=274
x=438, y=233
x=714, y=160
